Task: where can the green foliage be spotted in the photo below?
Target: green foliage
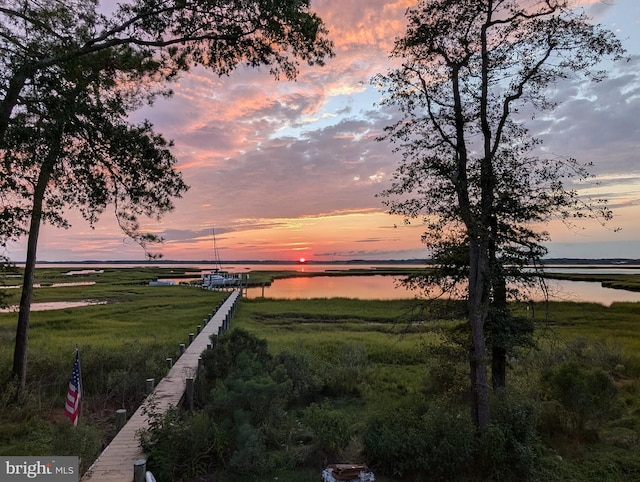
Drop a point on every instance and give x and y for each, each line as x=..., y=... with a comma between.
x=422, y=370
x=510, y=449
x=434, y=441
x=448, y=372
x=346, y=373
x=83, y=441
x=331, y=429
x=254, y=403
x=180, y=446
x=122, y=343
x=66, y=140
x=6, y=267
x=508, y=331
x=223, y=358
x=470, y=170
x=252, y=398
x=583, y=398
x=21, y=428
x=588, y=353
x=416, y=438
x=305, y=373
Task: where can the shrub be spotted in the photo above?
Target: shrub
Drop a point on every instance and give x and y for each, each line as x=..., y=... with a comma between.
x=226, y=349
x=254, y=396
x=586, y=397
x=447, y=378
x=305, y=374
x=180, y=446
x=419, y=440
x=511, y=449
x=249, y=396
x=330, y=429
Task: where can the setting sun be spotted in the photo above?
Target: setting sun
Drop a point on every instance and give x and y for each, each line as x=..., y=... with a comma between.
x=302, y=260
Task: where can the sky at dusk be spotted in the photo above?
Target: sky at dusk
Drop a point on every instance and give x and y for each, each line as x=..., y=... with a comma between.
x=284, y=170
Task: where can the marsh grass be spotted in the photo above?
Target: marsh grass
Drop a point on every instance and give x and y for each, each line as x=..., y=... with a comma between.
x=405, y=360
x=615, y=328
x=378, y=355
x=122, y=343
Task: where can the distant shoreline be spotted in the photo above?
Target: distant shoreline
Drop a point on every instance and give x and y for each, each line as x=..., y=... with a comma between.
x=620, y=262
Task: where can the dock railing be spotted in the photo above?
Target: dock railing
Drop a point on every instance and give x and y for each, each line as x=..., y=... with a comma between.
x=123, y=460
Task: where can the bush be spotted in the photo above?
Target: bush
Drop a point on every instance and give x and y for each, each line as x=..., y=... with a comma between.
x=180, y=447
x=305, y=374
x=418, y=440
x=330, y=429
x=226, y=349
x=585, y=397
x=250, y=397
x=511, y=449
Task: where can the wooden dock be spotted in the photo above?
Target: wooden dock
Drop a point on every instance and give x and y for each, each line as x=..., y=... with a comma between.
x=116, y=462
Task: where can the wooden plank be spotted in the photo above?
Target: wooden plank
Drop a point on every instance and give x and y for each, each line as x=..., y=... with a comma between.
x=115, y=463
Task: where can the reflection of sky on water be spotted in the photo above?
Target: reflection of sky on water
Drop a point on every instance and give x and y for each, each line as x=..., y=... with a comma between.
x=383, y=287
x=361, y=287
x=387, y=287
x=595, y=269
x=563, y=290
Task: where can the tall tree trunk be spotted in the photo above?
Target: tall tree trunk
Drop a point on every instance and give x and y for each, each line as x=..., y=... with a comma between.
x=499, y=315
x=498, y=350
x=22, y=331
x=478, y=310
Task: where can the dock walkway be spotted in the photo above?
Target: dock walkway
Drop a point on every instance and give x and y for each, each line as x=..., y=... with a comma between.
x=116, y=462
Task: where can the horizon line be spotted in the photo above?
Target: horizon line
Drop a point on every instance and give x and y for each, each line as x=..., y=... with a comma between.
x=616, y=260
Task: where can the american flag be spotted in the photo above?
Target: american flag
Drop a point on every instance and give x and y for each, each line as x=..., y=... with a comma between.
x=74, y=393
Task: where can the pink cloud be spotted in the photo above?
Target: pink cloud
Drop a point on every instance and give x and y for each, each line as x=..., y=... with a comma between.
x=273, y=163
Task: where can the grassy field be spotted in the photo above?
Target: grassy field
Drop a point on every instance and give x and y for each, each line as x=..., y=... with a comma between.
x=393, y=359
x=379, y=354
x=122, y=343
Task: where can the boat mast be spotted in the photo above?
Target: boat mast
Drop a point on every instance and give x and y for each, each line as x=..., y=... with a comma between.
x=216, y=255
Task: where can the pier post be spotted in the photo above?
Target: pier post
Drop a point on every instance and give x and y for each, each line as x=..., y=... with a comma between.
x=121, y=418
x=189, y=393
x=139, y=470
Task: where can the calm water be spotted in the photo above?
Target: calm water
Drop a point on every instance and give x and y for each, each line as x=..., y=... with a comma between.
x=54, y=305
x=388, y=287
x=384, y=287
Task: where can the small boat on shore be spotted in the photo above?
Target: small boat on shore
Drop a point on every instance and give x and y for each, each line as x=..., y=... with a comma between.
x=220, y=279
x=217, y=278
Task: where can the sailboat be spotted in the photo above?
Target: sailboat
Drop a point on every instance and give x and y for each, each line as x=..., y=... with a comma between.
x=218, y=278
